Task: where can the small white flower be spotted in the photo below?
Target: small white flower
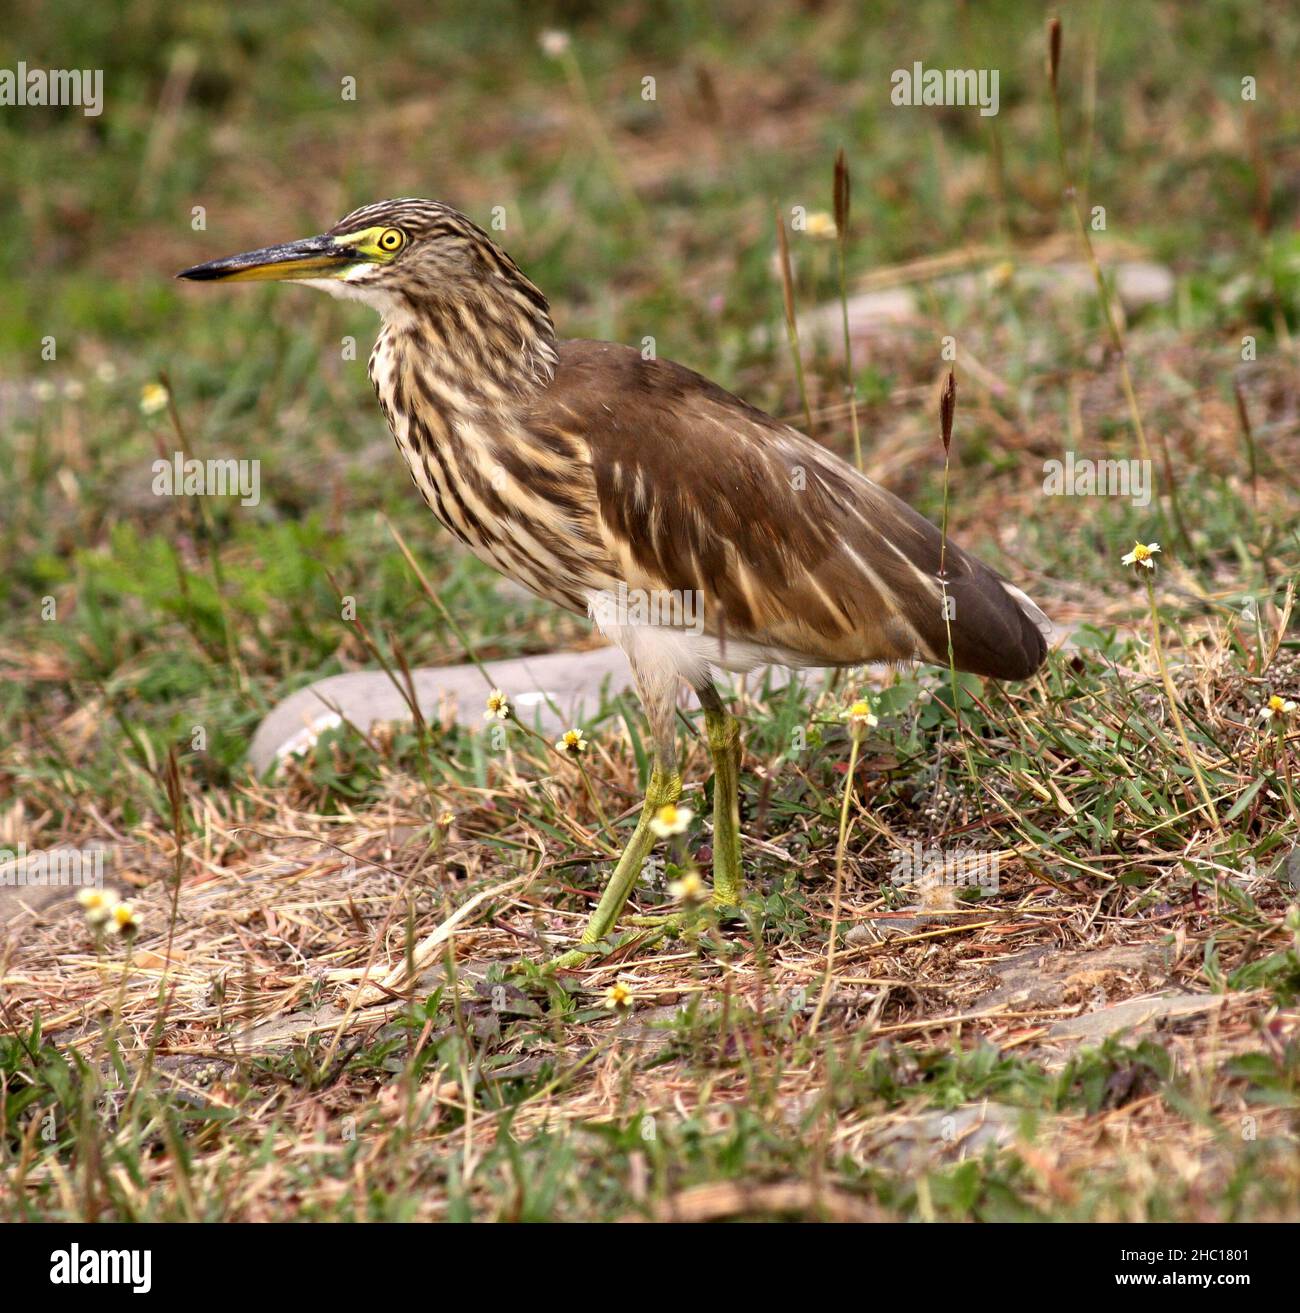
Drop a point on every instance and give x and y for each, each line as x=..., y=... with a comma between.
x=820, y=225
x=689, y=889
x=123, y=920
x=860, y=715
x=553, y=42
x=619, y=997
x=98, y=904
x=572, y=744
x=153, y=398
x=498, y=706
x=1142, y=554
x=671, y=819
x=1277, y=708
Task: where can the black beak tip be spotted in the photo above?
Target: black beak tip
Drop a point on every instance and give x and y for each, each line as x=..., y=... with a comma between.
x=199, y=273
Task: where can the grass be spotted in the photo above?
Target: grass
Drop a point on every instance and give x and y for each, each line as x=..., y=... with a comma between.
x=237, y=1075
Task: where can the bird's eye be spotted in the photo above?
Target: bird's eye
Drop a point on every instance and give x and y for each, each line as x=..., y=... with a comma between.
x=392, y=239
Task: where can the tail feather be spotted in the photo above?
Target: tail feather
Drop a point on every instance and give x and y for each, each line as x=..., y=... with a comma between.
x=992, y=626
x=997, y=632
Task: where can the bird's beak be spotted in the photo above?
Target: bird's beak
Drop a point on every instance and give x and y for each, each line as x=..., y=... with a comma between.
x=313, y=257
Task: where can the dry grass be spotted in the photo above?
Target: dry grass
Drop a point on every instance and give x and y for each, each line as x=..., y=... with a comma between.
x=259, y=1018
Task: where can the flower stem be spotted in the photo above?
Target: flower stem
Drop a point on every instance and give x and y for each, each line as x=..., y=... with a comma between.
x=1172, y=697
x=839, y=885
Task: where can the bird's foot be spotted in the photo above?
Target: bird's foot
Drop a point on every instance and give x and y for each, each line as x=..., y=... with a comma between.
x=693, y=925
x=587, y=953
x=689, y=924
x=711, y=907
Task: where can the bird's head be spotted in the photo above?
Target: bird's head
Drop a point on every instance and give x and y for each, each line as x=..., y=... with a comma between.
x=390, y=254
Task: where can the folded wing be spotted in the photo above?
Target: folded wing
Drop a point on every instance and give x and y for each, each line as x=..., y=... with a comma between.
x=790, y=547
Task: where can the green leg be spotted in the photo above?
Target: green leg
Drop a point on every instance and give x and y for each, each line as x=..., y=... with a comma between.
x=665, y=787
x=657, y=686
x=723, y=733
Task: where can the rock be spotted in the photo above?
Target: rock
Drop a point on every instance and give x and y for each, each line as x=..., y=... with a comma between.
x=1044, y=977
x=551, y=693
x=911, y=1143
x=548, y=692
x=31, y=902
x=1134, y=1014
x=880, y=313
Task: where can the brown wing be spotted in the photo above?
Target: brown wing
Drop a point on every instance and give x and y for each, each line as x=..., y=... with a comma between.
x=790, y=546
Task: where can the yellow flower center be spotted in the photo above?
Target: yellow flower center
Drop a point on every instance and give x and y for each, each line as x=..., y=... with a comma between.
x=689, y=888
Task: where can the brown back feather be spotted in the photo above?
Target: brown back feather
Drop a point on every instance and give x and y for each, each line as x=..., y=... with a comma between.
x=789, y=545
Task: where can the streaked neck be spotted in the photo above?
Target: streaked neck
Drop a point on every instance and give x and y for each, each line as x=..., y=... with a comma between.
x=491, y=341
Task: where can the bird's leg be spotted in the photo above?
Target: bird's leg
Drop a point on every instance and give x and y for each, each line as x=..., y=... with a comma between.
x=658, y=695
x=723, y=733
x=665, y=787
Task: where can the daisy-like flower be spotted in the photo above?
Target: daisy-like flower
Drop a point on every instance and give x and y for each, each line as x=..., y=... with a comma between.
x=671, y=819
x=572, y=744
x=553, y=42
x=153, y=398
x=689, y=889
x=820, y=225
x=860, y=715
x=498, y=706
x=445, y=820
x=123, y=920
x=1002, y=274
x=619, y=997
x=1142, y=554
x=1277, y=708
x=98, y=903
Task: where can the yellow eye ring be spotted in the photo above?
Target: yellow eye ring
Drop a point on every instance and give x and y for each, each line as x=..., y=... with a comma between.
x=391, y=239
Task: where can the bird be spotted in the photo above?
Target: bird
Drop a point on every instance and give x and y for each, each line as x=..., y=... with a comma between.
x=698, y=532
